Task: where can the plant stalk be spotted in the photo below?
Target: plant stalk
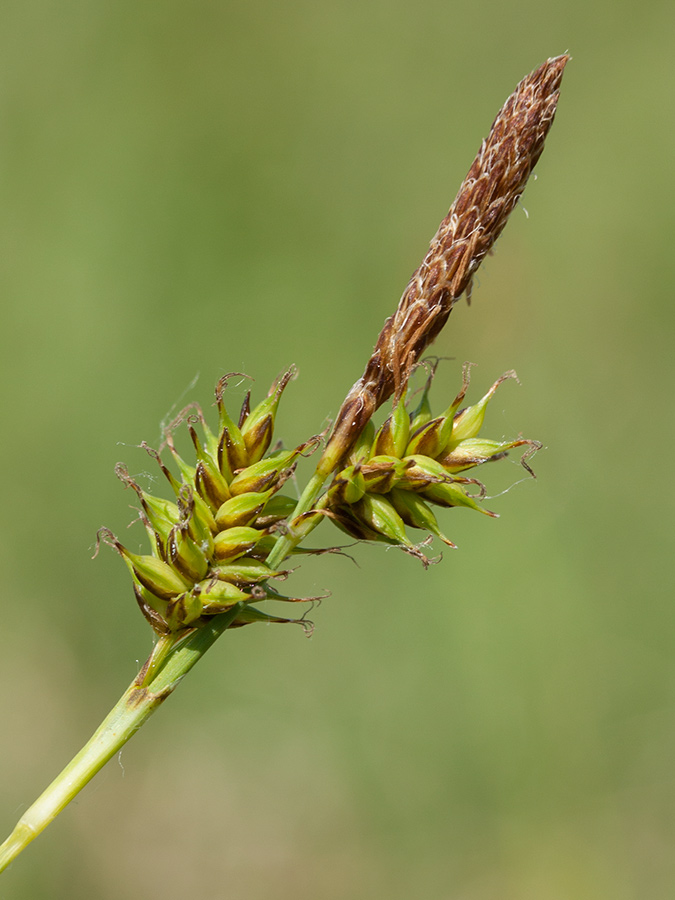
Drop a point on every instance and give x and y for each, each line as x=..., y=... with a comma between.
x=171, y=659
x=292, y=538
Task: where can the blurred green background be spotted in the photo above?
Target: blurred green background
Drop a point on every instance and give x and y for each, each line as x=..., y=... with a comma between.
x=196, y=188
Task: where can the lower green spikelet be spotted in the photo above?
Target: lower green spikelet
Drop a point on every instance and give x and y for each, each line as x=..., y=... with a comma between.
x=208, y=546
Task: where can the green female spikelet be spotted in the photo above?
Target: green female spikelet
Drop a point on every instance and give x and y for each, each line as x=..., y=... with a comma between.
x=205, y=547
x=374, y=499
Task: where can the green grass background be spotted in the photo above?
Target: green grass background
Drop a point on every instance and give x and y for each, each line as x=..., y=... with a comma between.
x=205, y=187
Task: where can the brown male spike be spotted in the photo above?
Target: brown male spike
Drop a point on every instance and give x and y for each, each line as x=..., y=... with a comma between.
x=475, y=220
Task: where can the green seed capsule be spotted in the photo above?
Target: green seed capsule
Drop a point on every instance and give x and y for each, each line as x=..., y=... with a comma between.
x=469, y=421
x=422, y=414
x=378, y=514
x=416, y=513
x=187, y=472
x=258, y=426
x=198, y=517
x=152, y=608
x=476, y=451
x=392, y=438
x=277, y=508
x=360, y=452
x=264, y=547
x=347, y=520
x=185, y=556
x=209, y=480
x=432, y=437
x=453, y=495
x=184, y=611
x=263, y=475
x=235, y=542
x=348, y=486
x=217, y=596
x=421, y=471
x=232, y=453
x=242, y=509
x=161, y=514
x=247, y=570
x=381, y=473
x=154, y=574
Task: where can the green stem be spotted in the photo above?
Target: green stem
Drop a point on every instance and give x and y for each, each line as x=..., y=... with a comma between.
x=171, y=659
x=292, y=538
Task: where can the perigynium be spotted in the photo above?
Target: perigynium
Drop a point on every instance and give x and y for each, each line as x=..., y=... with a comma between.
x=222, y=538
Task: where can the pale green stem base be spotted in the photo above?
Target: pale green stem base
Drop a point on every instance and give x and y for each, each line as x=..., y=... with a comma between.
x=170, y=660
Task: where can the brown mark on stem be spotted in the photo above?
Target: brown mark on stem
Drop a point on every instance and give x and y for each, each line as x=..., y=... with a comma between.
x=481, y=208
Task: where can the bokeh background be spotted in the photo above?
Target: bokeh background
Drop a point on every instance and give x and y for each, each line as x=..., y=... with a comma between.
x=194, y=188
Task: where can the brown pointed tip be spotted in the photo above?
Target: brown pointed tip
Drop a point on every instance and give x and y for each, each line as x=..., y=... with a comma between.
x=556, y=66
x=545, y=80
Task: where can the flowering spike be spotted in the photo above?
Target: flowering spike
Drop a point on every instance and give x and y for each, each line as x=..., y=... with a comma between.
x=191, y=579
x=488, y=195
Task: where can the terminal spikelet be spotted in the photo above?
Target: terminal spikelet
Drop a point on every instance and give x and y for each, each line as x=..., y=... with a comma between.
x=475, y=220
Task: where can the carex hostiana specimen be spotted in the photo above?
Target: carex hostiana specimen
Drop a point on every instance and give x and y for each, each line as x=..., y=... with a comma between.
x=228, y=530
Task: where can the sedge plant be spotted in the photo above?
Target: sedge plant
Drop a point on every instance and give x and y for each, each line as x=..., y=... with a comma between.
x=222, y=539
